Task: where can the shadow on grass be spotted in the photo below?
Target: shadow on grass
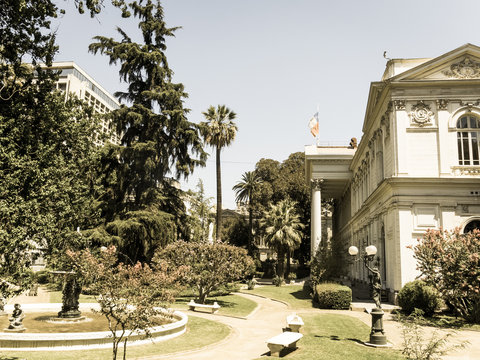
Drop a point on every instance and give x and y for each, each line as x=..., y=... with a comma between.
x=301, y=295
x=8, y=358
x=338, y=338
x=443, y=321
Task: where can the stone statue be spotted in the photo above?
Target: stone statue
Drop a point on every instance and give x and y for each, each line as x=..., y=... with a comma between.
x=16, y=319
x=376, y=285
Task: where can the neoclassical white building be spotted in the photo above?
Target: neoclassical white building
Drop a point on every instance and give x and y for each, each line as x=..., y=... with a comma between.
x=416, y=167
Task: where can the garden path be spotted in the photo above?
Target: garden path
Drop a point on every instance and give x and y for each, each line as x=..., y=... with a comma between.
x=248, y=338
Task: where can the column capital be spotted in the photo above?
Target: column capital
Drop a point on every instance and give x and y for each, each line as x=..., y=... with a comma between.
x=316, y=184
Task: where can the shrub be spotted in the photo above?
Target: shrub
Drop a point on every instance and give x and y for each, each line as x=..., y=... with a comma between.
x=42, y=277
x=417, y=346
x=251, y=284
x=450, y=262
x=277, y=281
x=208, y=266
x=333, y=296
x=418, y=295
x=292, y=276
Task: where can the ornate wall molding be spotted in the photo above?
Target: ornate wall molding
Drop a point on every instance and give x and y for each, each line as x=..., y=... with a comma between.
x=317, y=184
x=442, y=104
x=465, y=69
x=399, y=104
x=421, y=114
x=385, y=121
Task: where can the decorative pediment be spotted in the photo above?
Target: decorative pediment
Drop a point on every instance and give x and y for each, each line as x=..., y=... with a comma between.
x=465, y=69
x=461, y=63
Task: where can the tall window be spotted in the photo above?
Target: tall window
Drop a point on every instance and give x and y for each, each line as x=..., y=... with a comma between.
x=468, y=131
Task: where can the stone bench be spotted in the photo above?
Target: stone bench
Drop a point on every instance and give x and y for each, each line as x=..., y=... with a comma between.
x=294, y=322
x=285, y=340
x=192, y=305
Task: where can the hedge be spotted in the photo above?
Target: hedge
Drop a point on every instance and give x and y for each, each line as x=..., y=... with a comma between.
x=333, y=296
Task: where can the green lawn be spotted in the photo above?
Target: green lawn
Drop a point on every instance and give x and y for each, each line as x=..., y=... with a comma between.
x=232, y=305
x=200, y=333
x=291, y=294
x=337, y=337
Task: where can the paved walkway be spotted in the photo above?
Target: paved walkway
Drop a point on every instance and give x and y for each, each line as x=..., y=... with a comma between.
x=247, y=340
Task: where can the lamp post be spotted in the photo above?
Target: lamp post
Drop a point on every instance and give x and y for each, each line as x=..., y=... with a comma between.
x=377, y=334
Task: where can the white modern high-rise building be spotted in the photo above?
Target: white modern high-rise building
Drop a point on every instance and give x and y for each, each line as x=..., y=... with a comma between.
x=74, y=79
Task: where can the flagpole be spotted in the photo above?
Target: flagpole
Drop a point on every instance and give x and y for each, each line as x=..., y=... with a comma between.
x=318, y=135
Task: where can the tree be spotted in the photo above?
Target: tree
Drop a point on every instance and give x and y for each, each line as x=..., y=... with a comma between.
x=245, y=190
x=201, y=214
x=235, y=231
x=131, y=296
x=219, y=131
x=209, y=265
x=157, y=139
x=282, y=228
x=450, y=262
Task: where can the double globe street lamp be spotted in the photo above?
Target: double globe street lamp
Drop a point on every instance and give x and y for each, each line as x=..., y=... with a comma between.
x=377, y=334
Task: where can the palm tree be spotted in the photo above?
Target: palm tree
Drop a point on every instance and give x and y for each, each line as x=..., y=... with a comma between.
x=282, y=228
x=244, y=190
x=218, y=131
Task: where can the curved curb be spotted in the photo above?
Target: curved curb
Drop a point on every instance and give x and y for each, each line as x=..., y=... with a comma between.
x=86, y=340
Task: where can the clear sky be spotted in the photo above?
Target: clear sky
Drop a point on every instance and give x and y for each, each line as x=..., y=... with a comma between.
x=274, y=61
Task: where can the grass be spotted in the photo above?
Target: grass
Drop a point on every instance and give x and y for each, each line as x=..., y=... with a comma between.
x=200, y=333
x=337, y=337
x=294, y=295
x=446, y=322
x=232, y=305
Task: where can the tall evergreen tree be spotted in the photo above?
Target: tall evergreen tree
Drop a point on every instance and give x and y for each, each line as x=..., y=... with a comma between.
x=219, y=131
x=157, y=139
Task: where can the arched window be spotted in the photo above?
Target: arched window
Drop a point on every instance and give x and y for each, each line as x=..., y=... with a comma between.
x=474, y=224
x=468, y=131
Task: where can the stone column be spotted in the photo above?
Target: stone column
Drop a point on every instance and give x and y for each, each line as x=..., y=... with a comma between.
x=316, y=216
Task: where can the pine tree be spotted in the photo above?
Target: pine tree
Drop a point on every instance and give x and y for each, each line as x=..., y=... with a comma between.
x=157, y=139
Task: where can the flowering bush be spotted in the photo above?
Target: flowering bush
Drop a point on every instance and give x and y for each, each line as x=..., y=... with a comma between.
x=209, y=265
x=450, y=262
x=130, y=296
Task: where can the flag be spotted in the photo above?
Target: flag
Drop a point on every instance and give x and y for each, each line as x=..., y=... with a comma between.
x=313, y=124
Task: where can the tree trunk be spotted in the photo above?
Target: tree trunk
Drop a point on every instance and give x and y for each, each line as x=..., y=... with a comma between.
x=288, y=263
x=219, y=197
x=281, y=263
x=250, y=224
x=202, y=296
x=115, y=349
x=125, y=348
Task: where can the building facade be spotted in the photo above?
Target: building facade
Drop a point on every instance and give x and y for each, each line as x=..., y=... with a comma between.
x=417, y=166
x=74, y=80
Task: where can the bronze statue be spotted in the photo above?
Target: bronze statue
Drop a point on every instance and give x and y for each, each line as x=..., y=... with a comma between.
x=16, y=318
x=376, y=285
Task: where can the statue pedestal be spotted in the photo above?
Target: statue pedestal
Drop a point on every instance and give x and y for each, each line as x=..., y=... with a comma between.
x=377, y=335
x=70, y=314
x=20, y=330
